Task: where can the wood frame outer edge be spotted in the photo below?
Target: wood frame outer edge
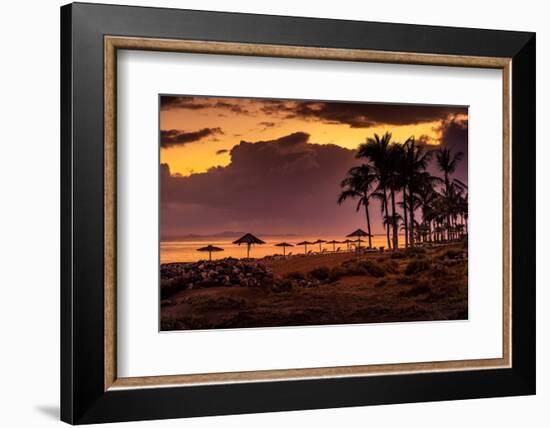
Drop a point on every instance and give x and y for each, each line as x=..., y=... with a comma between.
x=110, y=190
x=112, y=43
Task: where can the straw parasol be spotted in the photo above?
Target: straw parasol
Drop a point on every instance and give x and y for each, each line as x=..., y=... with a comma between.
x=284, y=245
x=211, y=249
x=333, y=242
x=320, y=241
x=249, y=240
x=358, y=234
x=347, y=242
x=305, y=244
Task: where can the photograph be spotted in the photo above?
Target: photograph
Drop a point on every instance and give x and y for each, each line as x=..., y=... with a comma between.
x=280, y=212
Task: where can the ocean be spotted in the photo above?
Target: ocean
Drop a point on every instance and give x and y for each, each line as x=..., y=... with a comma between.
x=186, y=250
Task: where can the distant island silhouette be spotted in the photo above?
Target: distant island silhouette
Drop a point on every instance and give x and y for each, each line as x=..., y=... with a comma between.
x=224, y=234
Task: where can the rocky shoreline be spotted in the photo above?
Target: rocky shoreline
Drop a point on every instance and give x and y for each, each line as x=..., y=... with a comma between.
x=256, y=273
x=227, y=272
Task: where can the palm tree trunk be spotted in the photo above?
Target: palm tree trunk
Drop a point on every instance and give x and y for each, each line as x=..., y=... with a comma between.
x=407, y=241
x=387, y=214
x=394, y=220
x=411, y=218
x=368, y=221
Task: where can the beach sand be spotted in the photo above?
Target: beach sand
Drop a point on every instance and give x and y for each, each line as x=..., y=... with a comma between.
x=424, y=286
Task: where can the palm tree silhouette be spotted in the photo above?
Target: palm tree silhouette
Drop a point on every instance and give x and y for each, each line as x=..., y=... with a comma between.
x=447, y=162
x=416, y=162
x=376, y=150
x=394, y=162
x=393, y=169
x=358, y=185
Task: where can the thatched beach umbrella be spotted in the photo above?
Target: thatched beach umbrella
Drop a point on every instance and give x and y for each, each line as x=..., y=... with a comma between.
x=333, y=242
x=320, y=241
x=248, y=239
x=305, y=244
x=358, y=234
x=211, y=249
x=347, y=242
x=284, y=245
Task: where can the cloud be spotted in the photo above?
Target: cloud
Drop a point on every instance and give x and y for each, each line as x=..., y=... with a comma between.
x=168, y=102
x=233, y=107
x=222, y=151
x=353, y=114
x=173, y=102
x=285, y=185
x=359, y=115
x=176, y=137
x=451, y=133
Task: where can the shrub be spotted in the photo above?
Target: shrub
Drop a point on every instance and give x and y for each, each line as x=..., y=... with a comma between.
x=169, y=287
x=215, y=303
x=438, y=270
x=381, y=282
x=452, y=254
x=295, y=275
x=355, y=269
x=417, y=290
x=374, y=269
x=415, y=251
x=407, y=280
x=336, y=273
x=391, y=266
x=397, y=255
x=282, y=285
x=320, y=273
x=416, y=266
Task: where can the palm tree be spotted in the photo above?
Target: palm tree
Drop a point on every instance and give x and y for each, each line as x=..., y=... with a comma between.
x=394, y=161
x=447, y=162
x=416, y=162
x=426, y=197
x=376, y=150
x=358, y=185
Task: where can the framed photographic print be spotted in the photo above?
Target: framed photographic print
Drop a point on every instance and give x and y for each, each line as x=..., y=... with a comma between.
x=266, y=213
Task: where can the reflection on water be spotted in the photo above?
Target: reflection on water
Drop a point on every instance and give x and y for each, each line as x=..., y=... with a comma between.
x=186, y=250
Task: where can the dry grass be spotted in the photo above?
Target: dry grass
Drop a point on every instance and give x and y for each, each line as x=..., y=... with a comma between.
x=414, y=286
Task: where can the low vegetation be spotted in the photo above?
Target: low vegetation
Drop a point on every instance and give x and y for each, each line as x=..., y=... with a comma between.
x=406, y=285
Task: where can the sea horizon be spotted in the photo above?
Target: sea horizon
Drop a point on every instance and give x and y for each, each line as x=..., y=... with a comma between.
x=184, y=250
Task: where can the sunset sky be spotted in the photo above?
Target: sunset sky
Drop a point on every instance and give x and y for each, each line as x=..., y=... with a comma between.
x=274, y=166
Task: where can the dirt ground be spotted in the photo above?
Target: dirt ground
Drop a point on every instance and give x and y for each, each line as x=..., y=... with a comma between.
x=411, y=286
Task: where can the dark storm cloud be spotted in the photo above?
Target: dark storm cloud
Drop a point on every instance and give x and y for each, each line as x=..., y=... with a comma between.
x=274, y=185
x=170, y=102
x=199, y=103
x=359, y=115
x=176, y=137
x=452, y=134
x=353, y=114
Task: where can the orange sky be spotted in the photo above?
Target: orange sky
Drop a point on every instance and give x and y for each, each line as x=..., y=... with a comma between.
x=275, y=166
x=245, y=119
